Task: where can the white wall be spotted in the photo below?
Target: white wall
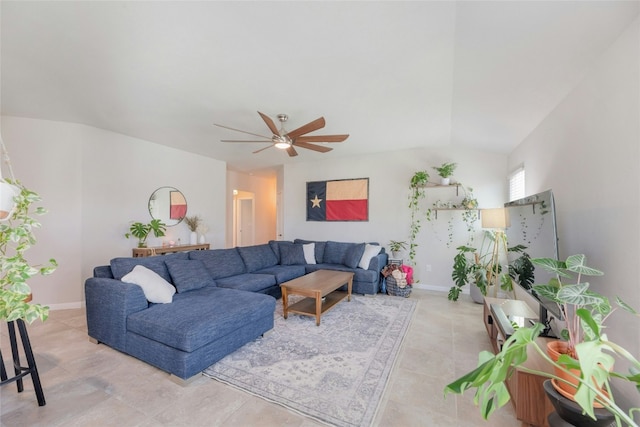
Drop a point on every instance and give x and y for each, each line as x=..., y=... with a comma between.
x=94, y=183
x=389, y=217
x=588, y=152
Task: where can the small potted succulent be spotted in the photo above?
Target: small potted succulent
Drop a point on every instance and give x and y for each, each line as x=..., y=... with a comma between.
x=141, y=231
x=445, y=171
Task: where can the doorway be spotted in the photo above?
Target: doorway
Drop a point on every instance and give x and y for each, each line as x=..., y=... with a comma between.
x=243, y=218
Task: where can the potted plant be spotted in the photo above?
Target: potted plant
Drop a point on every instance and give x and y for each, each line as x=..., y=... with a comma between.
x=396, y=248
x=476, y=267
x=16, y=237
x=193, y=222
x=417, y=184
x=584, y=310
x=445, y=171
x=141, y=231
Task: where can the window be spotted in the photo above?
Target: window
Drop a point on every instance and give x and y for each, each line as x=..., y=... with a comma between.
x=516, y=184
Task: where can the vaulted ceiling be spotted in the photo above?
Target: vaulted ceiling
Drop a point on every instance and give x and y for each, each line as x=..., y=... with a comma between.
x=394, y=75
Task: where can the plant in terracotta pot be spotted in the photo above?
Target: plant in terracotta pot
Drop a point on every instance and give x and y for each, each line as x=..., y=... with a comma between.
x=141, y=231
x=595, y=353
x=16, y=237
x=445, y=171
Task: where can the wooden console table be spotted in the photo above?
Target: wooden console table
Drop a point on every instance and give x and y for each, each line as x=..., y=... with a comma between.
x=161, y=250
x=527, y=390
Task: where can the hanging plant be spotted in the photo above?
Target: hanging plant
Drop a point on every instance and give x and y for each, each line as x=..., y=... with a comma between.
x=417, y=193
x=16, y=237
x=470, y=213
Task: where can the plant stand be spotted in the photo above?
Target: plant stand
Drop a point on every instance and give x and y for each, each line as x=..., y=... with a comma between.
x=21, y=371
x=569, y=413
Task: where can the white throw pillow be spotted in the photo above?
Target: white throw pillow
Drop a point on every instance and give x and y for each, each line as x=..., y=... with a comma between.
x=309, y=250
x=155, y=288
x=369, y=252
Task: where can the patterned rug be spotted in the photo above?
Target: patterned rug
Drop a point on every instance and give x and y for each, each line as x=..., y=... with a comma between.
x=336, y=372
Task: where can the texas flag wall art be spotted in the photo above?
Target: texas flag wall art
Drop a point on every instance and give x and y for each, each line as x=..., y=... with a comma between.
x=339, y=200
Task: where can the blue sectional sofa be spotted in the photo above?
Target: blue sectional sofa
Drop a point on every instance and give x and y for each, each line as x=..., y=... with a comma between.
x=183, y=312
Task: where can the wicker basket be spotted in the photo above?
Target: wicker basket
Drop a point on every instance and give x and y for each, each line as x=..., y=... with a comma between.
x=395, y=290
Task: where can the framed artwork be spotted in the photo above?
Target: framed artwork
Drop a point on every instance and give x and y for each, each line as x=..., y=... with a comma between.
x=338, y=200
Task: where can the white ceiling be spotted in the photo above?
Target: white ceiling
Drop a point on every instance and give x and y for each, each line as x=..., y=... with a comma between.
x=394, y=75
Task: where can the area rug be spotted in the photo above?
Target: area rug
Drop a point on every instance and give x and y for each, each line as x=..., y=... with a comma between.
x=336, y=372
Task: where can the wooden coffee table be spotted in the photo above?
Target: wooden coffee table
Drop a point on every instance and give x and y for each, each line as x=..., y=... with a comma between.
x=320, y=289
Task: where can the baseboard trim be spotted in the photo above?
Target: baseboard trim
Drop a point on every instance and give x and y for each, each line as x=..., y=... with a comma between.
x=65, y=306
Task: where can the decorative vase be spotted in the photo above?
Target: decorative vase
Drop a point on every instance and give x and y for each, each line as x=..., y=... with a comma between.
x=193, y=238
x=445, y=181
x=202, y=241
x=571, y=412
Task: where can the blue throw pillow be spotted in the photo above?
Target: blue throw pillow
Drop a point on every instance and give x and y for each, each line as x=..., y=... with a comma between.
x=292, y=254
x=189, y=275
x=353, y=255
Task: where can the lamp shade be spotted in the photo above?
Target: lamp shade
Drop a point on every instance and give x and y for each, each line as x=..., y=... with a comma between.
x=7, y=205
x=495, y=218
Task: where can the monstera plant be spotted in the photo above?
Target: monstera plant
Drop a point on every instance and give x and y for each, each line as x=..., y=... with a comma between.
x=16, y=237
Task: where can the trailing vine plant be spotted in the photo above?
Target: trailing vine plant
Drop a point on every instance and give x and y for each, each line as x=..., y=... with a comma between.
x=16, y=237
x=417, y=193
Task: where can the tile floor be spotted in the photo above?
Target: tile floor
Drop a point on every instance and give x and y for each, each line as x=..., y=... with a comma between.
x=93, y=385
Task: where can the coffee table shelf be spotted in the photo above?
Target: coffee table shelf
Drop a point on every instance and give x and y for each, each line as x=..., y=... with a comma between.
x=308, y=305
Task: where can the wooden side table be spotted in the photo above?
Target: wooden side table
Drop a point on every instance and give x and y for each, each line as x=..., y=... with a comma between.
x=161, y=250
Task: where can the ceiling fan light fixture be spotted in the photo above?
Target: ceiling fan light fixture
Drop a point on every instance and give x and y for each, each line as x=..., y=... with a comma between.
x=283, y=145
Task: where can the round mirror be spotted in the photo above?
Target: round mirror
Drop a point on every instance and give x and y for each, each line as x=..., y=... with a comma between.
x=168, y=205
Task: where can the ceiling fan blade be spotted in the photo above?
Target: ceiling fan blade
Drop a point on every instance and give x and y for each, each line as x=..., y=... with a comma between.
x=309, y=127
x=322, y=138
x=270, y=124
x=319, y=148
x=262, y=149
x=292, y=151
x=244, y=131
x=243, y=140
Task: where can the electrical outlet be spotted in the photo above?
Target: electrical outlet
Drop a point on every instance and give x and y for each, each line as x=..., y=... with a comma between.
x=428, y=267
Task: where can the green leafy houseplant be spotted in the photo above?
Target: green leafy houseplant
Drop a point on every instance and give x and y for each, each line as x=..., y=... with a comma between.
x=445, y=170
x=396, y=246
x=417, y=183
x=16, y=237
x=141, y=231
x=594, y=351
x=472, y=266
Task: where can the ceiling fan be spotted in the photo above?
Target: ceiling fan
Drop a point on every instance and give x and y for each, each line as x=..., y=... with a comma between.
x=288, y=140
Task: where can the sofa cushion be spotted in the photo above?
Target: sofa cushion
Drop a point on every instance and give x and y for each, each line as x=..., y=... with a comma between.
x=369, y=252
x=220, y=262
x=200, y=317
x=251, y=282
x=348, y=254
x=188, y=274
x=284, y=273
x=319, y=248
x=155, y=288
x=257, y=257
x=360, y=275
x=353, y=255
x=292, y=254
x=122, y=266
x=275, y=247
